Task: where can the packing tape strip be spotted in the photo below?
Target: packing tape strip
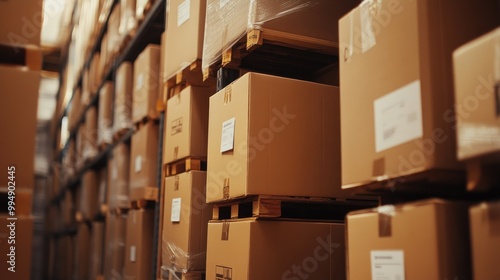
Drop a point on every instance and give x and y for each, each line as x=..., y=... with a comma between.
x=367, y=35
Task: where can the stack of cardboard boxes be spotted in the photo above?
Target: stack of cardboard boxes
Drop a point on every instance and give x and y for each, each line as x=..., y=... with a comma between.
x=20, y=64
x=399, y=116
x=185, y=212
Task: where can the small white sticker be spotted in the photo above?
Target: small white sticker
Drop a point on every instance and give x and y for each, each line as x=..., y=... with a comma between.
x=176, y=210
x=227, y=139
x=388, y=265
x=183, y=12
x=398, y=117
x=223, y=3
x=138, y=164
x=132, y=253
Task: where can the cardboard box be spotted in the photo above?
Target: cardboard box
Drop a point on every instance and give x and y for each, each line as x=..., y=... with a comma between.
x=18, y=104
x=275, y=250
x=186, y=124
x=477, y=97
x=399, y=120
x=421, y=240
x=139, y=244
x=103, y=61
x=128, y=21
x=82, y=253
x=68, y=209
x=114, y=254
x=96, y=77
x=185, y=26
x=122, y=113
x=90, y=138
x=96, y=250
x=186, y=217
x=21, y=22
x=103, y=184
x=162, y=93
x=88, y=192
x=118, y=192
x=146, y=75
x=144, y=159
x=274, y=136
x=485, y=239
x=105, y=114
x=312, y=22
x=22, y=245
x=114, y=39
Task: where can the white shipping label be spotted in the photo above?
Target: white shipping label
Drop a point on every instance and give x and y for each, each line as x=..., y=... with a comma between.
x=176, y=210
x=227, y=139
x=223, y=3
x=388, y=265
x=138, y=164
x=132, y=253
x=398, y=117
x=183, y=12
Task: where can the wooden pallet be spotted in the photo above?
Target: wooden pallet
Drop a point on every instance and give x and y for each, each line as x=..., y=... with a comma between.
x=190, y=275
x=191, y=75
x=117, y=135
x=105, y=209
x=278, y=53
x=482, y=177
x=185, y=165
x=265, y=206
x=28, y=56
x=145, y=120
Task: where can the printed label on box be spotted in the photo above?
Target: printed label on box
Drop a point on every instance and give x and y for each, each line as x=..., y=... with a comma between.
x=132, y=253
x=183, y=12
x=138, y=164
x=388, y=265
x=223, y=273
x=176, y=126
x=223, y=3
x=227, y=139
x=175, y=217
x=398, y=117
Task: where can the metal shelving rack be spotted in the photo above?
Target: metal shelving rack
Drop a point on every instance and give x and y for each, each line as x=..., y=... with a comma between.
x=148, y=32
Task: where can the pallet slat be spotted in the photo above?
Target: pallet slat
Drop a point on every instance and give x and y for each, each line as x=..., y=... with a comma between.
x=185, y=165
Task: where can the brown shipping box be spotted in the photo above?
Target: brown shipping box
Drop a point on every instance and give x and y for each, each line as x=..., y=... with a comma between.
x=139, y=244
x=275, y=250
x=90, y=145
x=18, y=101
x=262, y=131
x=22, y=245
x=21, y=22
x=114, y=254
x=144, y=159
x=105, y=115
x=185, y=220
x=184, y=29
x=122, y=113
x=146, y=71
x=186, y=124
x=118, y=191
x=82, y=251
x=88, y=190
x=422, y=240
x=95, y=74
x=477, y=97
x=96, y=250
x=397, y=86
x=485, y=239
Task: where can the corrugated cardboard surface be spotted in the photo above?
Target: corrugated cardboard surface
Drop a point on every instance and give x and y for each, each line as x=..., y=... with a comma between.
x=384, y=46
x=275, y=250
x=144, y=157
x=432, y=234
x=18, y=105
x=88, y=192
x=139, y=244
x=186, y=124
x=23, y=242
x=96, y=250
x=485, y=236
x=114, y=254
x=185, y=42
x=146, y=75
x=124, y=82
x=476, y=73
x=105, y=114
x=118, y=192
x=82, y=253
x=286, y=139
x=21, y=22
x=184, y=241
